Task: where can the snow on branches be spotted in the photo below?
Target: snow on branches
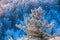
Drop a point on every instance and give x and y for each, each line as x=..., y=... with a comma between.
x=36, y=24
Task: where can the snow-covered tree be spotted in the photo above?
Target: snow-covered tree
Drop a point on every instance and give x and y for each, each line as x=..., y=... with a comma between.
x=36, y=25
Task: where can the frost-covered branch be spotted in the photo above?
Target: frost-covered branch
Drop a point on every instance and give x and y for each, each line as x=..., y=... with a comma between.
x=36, y=24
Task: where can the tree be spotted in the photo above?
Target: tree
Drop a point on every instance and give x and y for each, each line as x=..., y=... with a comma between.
x=36, y=25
